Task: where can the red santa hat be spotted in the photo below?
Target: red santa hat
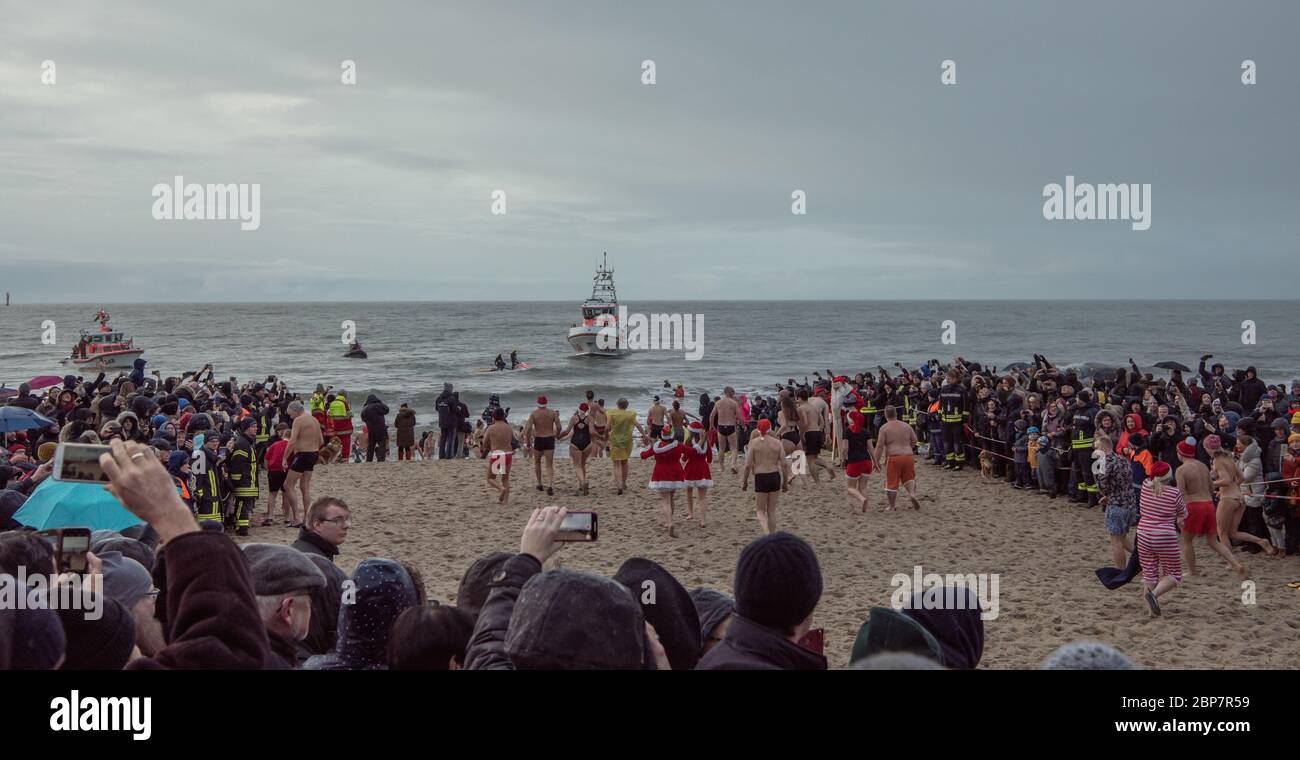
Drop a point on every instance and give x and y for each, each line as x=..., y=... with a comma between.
x=764, y=425
x=696, y=427
x=666, y=433
x=541, y=401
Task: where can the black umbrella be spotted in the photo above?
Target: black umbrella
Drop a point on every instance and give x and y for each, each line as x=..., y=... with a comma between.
x=1101, y=373
x=1173, y=365
x=1018, y=365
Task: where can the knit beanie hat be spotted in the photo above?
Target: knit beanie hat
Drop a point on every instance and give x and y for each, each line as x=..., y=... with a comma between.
x=778, y=581
x=1087, y=655
x=101, y=644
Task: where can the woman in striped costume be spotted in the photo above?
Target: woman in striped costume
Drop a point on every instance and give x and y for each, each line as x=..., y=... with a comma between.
x=1163, y=512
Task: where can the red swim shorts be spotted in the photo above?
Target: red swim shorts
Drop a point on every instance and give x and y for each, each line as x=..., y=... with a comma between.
x=495, y=465
x=900, y=468
x=857, y=469
x=1200, y=519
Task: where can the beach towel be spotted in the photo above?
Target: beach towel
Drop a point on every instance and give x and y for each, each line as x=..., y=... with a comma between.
x=1114, y=577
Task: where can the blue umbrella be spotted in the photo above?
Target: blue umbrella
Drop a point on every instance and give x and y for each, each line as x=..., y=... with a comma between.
x=65, y=504
x=13, y=418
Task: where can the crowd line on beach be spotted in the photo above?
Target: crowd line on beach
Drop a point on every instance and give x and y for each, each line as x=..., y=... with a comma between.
x=1216, y=455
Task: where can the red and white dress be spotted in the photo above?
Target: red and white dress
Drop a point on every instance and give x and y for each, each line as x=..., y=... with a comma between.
x=697, y=457
x=667, y=475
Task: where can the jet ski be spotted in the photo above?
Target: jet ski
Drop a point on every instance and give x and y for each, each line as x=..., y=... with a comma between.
x=355, y=352
x=486, y=370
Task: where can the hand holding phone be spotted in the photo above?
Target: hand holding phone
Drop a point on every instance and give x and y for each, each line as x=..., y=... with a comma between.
x=71, y=546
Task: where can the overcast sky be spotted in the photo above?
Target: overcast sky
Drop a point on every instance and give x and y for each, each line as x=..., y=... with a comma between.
x=382, y=190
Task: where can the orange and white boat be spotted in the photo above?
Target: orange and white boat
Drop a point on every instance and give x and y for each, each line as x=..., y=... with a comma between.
x=597, y=335
x=104, y=348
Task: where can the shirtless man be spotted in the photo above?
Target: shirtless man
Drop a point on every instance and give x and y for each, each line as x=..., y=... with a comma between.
x=766, y=461
x=655, y=418
x=894, y=446
x=499, y=450
x=725, y=418
x=539, y=435
x=305, y=442
x=677, y=418
x=812, y=421
x=1193, y=479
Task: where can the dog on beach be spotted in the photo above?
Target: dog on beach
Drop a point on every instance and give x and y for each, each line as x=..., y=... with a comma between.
x=331, y=450
x=986, y=466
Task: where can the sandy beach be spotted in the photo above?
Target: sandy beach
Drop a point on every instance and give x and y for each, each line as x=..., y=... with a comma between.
x=440, y=516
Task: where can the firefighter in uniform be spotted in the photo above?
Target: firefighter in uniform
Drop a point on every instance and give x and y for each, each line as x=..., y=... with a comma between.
x=934, y=427
x=243, y=474
x=209, y=488
x=1082, y=427
x=953, y=414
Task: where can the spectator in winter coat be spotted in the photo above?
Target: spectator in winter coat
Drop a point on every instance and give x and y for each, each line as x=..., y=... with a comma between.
x=374, y=416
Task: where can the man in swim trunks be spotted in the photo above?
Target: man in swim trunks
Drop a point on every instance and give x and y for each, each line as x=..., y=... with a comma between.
x=498, y=450
x=539, y=435
x=1193, y=479
x=677, y=418
x=621, y=422
x=305, y=442
x=812, y=421
x=766, y=461
x=725, y=418
x=894, y=446
x=655, y=418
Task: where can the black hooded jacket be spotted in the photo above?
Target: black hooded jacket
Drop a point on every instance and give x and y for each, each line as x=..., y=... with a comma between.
x=373, y=415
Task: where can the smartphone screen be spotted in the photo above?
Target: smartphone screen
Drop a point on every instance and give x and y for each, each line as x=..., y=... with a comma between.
x=577, y=526
x=79, y=462
x=72, y=557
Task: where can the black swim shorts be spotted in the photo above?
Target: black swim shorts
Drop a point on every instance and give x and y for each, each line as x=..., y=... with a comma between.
x=767, y=482
x=544, y=443
x=812, y=442
x=303, y=461
x=726, y=430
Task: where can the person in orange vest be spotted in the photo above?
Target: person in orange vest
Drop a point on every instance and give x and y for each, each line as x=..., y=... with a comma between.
x=340, y=422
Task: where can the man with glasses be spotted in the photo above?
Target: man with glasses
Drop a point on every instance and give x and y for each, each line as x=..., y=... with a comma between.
x=283, y=580
x=326, y=528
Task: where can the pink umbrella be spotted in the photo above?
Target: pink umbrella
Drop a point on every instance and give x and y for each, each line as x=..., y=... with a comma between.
x=44, y=381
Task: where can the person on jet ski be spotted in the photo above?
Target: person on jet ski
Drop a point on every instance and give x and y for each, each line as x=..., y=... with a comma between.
x=355, y=347
x=514, y=358
x=501, y=363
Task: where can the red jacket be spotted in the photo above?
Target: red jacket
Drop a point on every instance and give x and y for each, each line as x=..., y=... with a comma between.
x=668, y=463
x=697, y=462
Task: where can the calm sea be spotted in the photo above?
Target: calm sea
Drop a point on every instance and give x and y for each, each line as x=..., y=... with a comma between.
x=415, y=347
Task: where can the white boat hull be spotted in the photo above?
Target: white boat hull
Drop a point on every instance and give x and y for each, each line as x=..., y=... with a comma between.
x=115, y=360
x=584, y=341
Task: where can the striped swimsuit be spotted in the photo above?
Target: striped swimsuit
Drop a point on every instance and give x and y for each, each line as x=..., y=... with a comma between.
x=1157, y=534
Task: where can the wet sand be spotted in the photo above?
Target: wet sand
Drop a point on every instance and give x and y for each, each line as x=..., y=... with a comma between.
x=441, y=516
